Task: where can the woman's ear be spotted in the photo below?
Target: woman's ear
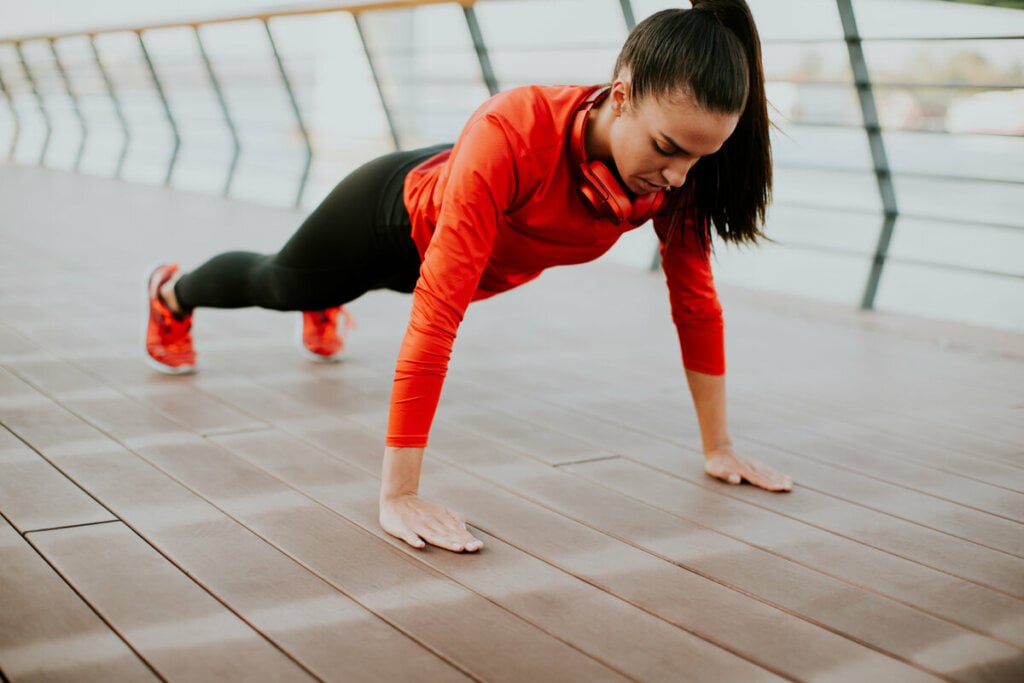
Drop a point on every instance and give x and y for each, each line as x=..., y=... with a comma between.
x=619, y=96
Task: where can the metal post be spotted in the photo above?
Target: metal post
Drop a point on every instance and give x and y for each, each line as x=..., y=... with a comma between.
x=377, y=83
x=224, y=108
x=869, y=111
x=74, y=103
x=14, y=114
x=167, y=109
x=481, y=49
x=627, y=14
x=295, y=109
x=39, y=101
x=117, y=106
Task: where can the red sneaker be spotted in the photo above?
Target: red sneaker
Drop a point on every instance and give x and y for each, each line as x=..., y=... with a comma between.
x=321, y=338
x=168, y=337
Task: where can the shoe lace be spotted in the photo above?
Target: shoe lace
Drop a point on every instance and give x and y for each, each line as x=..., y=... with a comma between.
x=174, y=334
x=349, y=321
x=326, y=321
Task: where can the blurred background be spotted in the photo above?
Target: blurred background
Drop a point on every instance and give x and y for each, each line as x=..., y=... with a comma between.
x=899, y=140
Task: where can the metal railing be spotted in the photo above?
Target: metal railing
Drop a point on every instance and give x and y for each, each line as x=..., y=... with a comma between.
x=26, y=79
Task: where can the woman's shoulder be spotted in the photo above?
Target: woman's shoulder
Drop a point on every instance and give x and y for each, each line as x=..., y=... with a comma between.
x=535, y=109
x=524, y=128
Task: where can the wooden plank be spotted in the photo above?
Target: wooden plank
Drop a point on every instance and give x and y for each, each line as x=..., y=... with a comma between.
x=15, y=393
x=836, y=442
x=49, y=374
x=47, y=632
x=171, y=396
x=925, y=384
x=901, y=539
x=977, y=527
x=1005, y=425
x=934, y=591
x=948, y=436
x=310, y=619
x=825, y=372
x=170, y=620
x=14, y=345
x=371, y=571
x=869, y=452
x=194, y=410
x=741, y=625
x=623, y=637
x=976, y=607
x=638, y=415
x=34, y=495
x=928, y=441
x=664, y=412
x=982, y=345
x=1005, y=626
x=991, y=571
x=622, y=433
x=971, y=525
x=997, y=533
x=859, y=614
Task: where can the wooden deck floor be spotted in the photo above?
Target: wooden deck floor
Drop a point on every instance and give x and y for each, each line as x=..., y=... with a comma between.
x=222, y=526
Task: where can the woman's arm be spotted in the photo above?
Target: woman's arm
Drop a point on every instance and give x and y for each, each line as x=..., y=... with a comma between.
x=481, y=183
x=405, y=515
x=721, y=459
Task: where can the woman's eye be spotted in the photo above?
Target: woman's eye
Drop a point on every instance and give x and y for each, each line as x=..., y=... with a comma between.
x=661, y=150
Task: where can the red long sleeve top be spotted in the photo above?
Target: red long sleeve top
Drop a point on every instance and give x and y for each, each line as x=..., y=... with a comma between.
x=495, y=211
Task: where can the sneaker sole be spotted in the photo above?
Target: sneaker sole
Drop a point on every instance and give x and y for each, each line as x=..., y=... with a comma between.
x=162, y=368
x=309, y=355
x=169, y=369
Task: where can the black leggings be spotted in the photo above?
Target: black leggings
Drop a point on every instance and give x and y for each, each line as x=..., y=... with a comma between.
x=357, y=240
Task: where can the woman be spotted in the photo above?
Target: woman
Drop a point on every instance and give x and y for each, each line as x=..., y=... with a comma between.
x=540, y=176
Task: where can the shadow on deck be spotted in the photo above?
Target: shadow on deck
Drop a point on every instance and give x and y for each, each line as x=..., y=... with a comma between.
x=222, y=526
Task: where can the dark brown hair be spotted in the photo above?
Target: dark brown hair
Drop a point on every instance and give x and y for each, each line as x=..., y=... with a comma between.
x=711, y=53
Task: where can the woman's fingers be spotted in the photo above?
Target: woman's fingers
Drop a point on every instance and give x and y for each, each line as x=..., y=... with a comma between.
x=451, y=538
x=733, y=468
x=412, y=539
x=771, y=480
x=759, y=475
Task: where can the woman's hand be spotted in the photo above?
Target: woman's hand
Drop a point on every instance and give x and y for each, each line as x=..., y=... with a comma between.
x=728, y=465
x=418, y=522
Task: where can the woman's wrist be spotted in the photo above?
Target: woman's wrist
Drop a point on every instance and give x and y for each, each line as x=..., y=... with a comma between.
x=712, y=447
x=400, y=473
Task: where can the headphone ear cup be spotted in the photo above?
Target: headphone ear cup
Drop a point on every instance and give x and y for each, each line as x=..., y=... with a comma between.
x=599, y=180
x=645, y=206
x=597, y=185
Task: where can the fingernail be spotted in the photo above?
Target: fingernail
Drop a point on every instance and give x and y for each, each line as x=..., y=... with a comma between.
x=734, y=479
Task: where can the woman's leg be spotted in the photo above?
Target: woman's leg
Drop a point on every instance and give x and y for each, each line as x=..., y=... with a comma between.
x=355, y=241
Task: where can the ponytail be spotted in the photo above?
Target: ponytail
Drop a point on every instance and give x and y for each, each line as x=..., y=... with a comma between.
x=713, y=54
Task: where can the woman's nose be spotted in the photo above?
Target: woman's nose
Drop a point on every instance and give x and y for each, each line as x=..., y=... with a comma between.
x=675, y=174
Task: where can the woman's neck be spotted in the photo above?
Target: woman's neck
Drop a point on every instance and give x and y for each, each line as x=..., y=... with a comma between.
x=597, y=137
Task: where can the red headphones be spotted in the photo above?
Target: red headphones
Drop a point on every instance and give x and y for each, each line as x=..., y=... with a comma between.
x=600, y=189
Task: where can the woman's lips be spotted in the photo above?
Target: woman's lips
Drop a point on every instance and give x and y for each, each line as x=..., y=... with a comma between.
x=651, y=187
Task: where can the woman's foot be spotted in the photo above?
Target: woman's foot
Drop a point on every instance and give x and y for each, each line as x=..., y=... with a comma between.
x=322, y=340
x=168, y=334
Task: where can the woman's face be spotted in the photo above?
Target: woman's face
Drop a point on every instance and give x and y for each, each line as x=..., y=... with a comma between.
x=655, y=142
